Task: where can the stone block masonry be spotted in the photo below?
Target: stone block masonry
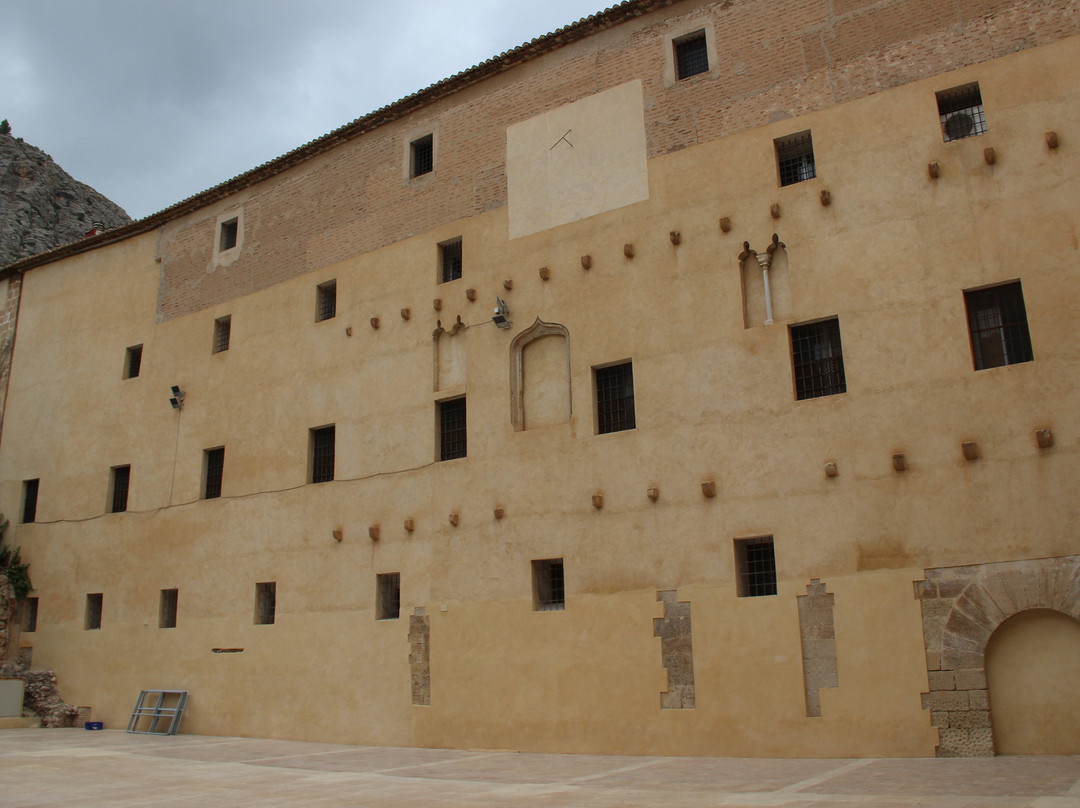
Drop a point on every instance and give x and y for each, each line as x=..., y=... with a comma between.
x=818, y=634
x=420, y=656
x=676, y=650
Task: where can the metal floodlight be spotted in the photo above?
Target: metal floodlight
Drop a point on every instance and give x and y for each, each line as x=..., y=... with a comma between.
x=177, y=400
x=501, y=318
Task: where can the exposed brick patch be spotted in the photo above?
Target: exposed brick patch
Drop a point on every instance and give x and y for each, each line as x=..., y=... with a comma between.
x=676, y=651
x=420, y=656
x=818, y=636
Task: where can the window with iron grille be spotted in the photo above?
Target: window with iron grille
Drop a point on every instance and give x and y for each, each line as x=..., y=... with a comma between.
x=222, y=331
x=615, y=398
x=961, y=112
x=265, y=603
x=322, y=454
x=691, y=55
x=121, y=481
x=422, y=155
x=227, y=239
x=132, y=361
x=326, y=295
x=30, y=612
x=755, y=562
x=388, y=596
x=818, y=359
x=549, y=593
x=795, y=158
x=453, y=438
x=167, y=608
x=92, y=617
x=450, y=260
x=30, y=495
x=998, y=323
x=214, y=464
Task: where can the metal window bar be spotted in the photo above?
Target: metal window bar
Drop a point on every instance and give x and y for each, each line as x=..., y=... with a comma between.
x=795, y=158
x=222, y=330
x=757, y=568
x=999, y=328
x=30, y=498
x=451, y=260
x=265, y=603
x=121, y=483
x=215, y=469
x=961, y=113
x=389, y=585
x=692, y=56
x=134, y=361
x=615, y=398
x=322, y=454
x=228, y=235
x=167, y=608
x=549, y=585
x=154, y=706
x=93, y=611
x=818, y=360
x=453, y=436
x=327, y=301
x=423, y=156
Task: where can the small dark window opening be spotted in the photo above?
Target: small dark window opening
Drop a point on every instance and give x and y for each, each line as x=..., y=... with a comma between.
x=818, y=359
x=265, y=603
x=167, y=608
x=327, y=301
x=691, y=55
x=215, y=468
x=450, y=260
x=121, y=481
x=549, y=592
x=92, y=619
x=961, y=112
x=998, y=323
x=388, y=600
x=615, y=398
x=228, y=235
x=132, y=361
x=30, y=611
x=222, y=331
x=322, y=454
x=755, y=561
x=453, y=438
x=423, y=155
x=30, y=495
x=795, y=158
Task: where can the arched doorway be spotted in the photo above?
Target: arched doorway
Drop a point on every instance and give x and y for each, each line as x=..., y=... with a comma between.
x=1033, y=675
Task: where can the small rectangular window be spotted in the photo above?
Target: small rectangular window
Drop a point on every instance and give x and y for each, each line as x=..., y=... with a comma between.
x=132, y=361
x=222, y=331
x=30, y=495
x=422, y=155
x=549, y=593
x=167, y=608
x=453, y=437
x=322, y=454
x=755, y=562
x=92, y=618
x=227, y=239
x=615, y=398
x=265, y=603
x=450, y=260
x=388, y=597
x=795, y=158
x=961, y=112
x=691, y=55
x=214, y=468
x=818, y=359
x=998, y=324
x=326, y=301
x=119, y=485
x=30, y=612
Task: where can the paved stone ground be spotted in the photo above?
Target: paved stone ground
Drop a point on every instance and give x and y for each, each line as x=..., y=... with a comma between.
x=73, y=767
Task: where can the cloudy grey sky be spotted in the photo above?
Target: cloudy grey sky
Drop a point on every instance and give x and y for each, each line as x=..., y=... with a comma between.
x=151, y=101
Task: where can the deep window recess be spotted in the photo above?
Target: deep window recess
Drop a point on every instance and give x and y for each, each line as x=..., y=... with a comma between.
x=422, y=155
x=549, y=593
x=222, y=331
x=999, y=328
x=30, y=615
x=818, y=359
x=961, y=112
x=30, y=495
x=795, y=158
x=214, y=463
x=121, y=482
x=453, y=438
x=132, y=361
x=388, y=602
x=265, y=603
x=691, y=55
x=227, y=239
x=615, y=398
x=755, y=562
x=167, y=608
x=92, y=619
x=322, y=454
x=326, y=308
x=450, y=260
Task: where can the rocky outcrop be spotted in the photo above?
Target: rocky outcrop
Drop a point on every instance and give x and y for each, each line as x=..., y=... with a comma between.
x=41, y=206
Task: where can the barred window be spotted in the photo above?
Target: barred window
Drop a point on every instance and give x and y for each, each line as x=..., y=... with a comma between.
x=30, y=615
x=453, y=437
x=755, y=562
x=227, y=239
x=795, y=158
x=214, y=463
x=388, y=596
x=322, y=454
x=265, y=603
x=119, y=485
x=167, y=608
x=222, y=331
x=450, y=260
x=691, y=55
x=422, y=155
x=961, y=112
x=92, y=617
x=818, y=359
x=999, y=327
x=549, y=593
x=132, y=361
x=326, y=301
x=615, y=398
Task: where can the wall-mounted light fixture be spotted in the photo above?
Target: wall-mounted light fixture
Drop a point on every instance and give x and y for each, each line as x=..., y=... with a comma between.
x=501, y=317
x=177, y=399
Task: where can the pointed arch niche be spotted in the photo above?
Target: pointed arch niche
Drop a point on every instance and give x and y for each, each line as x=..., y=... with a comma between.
x=540, y=376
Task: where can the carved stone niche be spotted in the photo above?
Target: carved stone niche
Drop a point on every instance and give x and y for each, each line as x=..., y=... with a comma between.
x=540, y=394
